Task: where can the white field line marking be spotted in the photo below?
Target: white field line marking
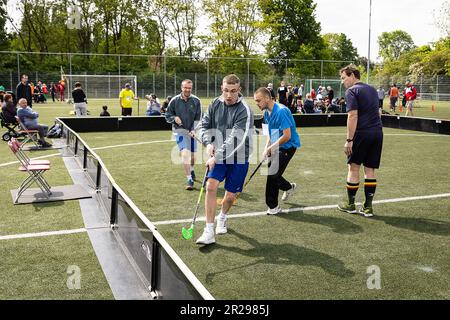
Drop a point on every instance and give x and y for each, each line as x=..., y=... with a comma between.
x=131, y=144
x=42, y=234
x=241, y=215
x=98, y=148
x=331, y=206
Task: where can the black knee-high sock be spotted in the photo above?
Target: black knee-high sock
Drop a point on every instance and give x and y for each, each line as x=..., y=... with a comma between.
x=370, y=185
x=352, y=188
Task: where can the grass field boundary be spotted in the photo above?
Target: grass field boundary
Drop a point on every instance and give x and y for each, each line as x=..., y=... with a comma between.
x=312, y=208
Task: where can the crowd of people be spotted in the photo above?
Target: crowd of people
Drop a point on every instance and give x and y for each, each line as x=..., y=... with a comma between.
x=321, y=100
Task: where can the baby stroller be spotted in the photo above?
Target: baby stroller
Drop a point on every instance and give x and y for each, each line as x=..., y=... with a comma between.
x=11, y=127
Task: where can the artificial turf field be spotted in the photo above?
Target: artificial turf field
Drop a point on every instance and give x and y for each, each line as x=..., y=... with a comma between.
x=303, y=254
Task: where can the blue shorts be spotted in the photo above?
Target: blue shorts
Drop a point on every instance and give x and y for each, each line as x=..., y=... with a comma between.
x=186, y=142
x=233, y=173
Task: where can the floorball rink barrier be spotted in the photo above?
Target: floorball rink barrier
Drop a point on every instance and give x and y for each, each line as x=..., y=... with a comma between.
x=156, y=263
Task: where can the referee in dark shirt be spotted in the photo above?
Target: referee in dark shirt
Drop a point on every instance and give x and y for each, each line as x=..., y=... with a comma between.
x=364, y=139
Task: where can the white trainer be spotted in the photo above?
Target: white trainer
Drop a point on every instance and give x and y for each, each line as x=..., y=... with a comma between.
x=206, y=238
x=289, y=192
x=274, y=211
x=221, y=227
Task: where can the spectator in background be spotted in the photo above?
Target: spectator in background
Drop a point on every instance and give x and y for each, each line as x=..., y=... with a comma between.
x=272, y=92
x=24, y=90
x=393, y=96
x=9, y=109
x=300, y=92
x=126, y=97
x=153, y=107
x=410, y=94
x=290, y=100
x=53, y=90
x=313, y=94
x=29, y=118
x=105, y=112
x=79, y=101
x=282, y=93
x=2, y=93
x=308, y=106
x=330, y=94
x=165, y=104
x=381, y=95
x=61, y=89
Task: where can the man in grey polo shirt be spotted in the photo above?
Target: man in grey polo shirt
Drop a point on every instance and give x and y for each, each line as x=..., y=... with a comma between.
x=184, y=112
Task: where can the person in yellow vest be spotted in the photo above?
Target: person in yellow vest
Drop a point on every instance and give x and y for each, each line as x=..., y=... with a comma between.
x=126, y=98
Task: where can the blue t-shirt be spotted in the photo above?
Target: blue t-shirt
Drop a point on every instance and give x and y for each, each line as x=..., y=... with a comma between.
x=280, y=119
x=364, y=98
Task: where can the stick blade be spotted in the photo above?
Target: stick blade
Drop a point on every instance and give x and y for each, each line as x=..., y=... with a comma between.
x=187, y=233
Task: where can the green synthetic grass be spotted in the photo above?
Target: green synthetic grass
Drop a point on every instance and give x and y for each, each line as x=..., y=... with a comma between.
x=40, y=268
x=322, y=254
x=302, y=255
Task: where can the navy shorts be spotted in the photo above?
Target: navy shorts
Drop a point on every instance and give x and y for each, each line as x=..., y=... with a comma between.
x=233, y=173
x=186, y=142
x=367, y=146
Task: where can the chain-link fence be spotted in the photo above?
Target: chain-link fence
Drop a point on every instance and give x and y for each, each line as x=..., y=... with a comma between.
x=162, y=75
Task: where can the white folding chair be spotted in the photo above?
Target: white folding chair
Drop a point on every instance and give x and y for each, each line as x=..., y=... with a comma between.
x=20, y=153
x=35, y=174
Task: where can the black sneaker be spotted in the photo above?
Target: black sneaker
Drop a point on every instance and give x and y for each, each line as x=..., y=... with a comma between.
x=193, y=175
x=46, y=145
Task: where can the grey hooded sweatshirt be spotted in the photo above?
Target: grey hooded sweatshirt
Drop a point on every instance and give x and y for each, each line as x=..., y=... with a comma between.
x=229, y=128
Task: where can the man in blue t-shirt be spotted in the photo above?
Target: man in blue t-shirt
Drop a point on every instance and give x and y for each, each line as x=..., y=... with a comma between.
x=281, y=145
x=364, y=139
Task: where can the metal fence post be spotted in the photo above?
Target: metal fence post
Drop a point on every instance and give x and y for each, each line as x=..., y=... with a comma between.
x=165, y=78
x=18, y=68
x=113, y=217
x=248, y=77
x=207, y=77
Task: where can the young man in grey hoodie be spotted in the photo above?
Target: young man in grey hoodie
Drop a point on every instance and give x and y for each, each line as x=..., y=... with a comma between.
x=226, y=131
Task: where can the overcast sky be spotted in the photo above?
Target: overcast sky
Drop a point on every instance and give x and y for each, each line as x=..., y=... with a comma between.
x=351, y=17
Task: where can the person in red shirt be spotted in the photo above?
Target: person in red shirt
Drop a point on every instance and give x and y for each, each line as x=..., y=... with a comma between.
x=313, y=93
x=61, y=88
x=410, y=93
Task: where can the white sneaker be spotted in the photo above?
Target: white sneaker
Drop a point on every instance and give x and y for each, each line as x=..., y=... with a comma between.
x=221, y=227
x=289, y=192
x=274, y=211
x=206, y=238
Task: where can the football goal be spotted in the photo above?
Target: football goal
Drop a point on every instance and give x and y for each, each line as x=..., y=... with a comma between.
x=335, y=84
x=102, y=86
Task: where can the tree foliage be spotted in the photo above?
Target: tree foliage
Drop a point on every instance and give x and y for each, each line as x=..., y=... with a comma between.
x=393, y=44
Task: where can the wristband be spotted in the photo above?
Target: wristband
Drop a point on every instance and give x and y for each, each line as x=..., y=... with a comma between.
x=349, y=140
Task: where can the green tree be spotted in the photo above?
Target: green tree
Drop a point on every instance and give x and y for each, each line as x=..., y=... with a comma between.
x=341, y=47
x=293, y=29
x=393, y=44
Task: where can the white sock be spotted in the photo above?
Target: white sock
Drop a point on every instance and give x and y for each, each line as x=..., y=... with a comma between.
x=222, y=216
x=210, y=227
x=192, y=168
x=189, y=177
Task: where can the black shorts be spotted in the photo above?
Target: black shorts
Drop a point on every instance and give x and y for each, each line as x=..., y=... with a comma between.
x=367, y=146
x=127, y=111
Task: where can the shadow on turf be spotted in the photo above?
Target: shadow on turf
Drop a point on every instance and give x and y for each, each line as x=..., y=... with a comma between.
x=42, y=205
x=338, y=225
x=433, y=227
x=280, y=254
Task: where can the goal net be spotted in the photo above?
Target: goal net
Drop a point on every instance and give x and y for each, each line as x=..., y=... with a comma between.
x=102, y=86
x=335, y=84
